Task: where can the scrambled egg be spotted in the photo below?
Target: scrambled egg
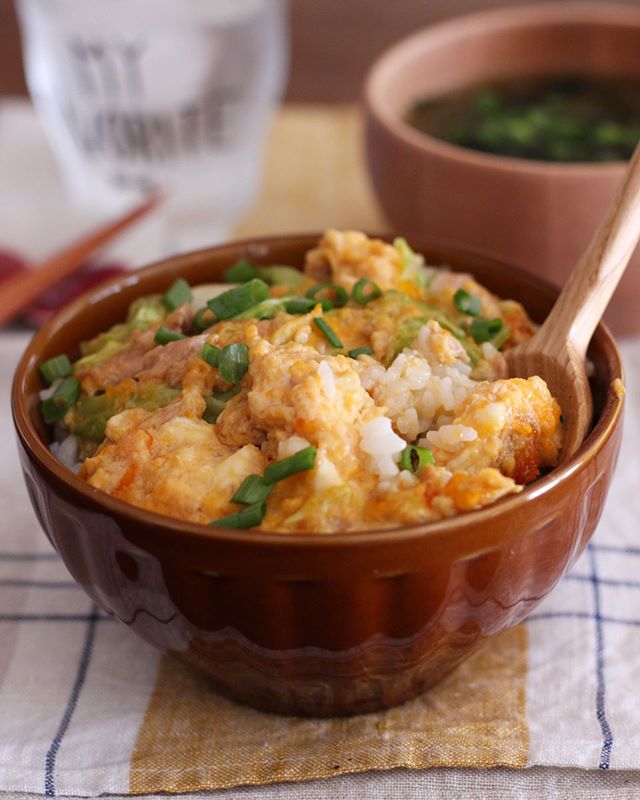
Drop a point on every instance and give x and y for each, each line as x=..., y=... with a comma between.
x=426, y=385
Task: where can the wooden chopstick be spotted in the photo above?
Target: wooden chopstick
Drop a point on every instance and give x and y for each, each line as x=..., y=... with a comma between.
x=16, y=293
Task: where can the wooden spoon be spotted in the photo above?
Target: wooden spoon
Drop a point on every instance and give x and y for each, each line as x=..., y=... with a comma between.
x=19, y=291
x=557, y=351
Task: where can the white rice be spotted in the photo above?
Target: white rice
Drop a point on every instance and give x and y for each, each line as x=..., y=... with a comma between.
x=489, y=351
x=45, y=394
x=328, y=379
x=451, y=437
x=326, y=474
x=383, y=445
x=291, y=446
x=66, y=452
x=419, y=396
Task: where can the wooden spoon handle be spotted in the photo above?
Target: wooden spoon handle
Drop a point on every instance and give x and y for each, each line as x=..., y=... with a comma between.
x=588, y=290
x=16, y=293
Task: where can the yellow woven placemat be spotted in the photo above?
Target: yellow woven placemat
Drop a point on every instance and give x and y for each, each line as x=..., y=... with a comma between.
x=192, y=739
x=315, y=175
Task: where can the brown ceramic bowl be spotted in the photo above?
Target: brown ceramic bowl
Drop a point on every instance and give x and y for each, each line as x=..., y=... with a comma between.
x=303, y=624
x=535, y=214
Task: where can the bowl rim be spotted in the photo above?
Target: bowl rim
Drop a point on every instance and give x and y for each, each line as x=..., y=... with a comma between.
x=168, y=527
x=527, y=16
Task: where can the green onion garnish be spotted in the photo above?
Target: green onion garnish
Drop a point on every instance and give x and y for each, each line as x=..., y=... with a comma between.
x=235, y=301
x=55, y=368
x=267, y=309
x=467, y=303
x=166, y=335
x=337, y=296
x=299, y=305
x=253, y=489
x=446, y=323
x=203, y=319
x=64, y=398
x=414, y=458
x=216, y=403
x=502, y=337
x=328, y=331
x=247, y=518
x=279, y=275
x=177, y=295
x=211, y=354
x=233, y=362
x=298, y=462
x=365, y=291
x=483, y=330
x=360, y=351
x=241, y=272
x=302, y=305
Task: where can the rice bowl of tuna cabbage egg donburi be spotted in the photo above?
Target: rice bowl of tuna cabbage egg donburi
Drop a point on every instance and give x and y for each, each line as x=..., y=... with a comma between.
x=367, y=391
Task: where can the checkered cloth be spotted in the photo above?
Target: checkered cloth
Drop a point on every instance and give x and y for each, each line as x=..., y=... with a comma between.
x=87, y=708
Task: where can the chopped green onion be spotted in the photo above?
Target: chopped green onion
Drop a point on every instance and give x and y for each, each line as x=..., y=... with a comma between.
x=299, y=305
x=253, y=489
x=54, y=368
x=502, y=337
x=201, y=324
x=249, y=517
x=64, y=398
x=216, y=403
x=328, y=331
x=445, y=322
x=337, y=295
x=235, y=301
x=233, y=362
x=365, y=291
x=177, y=295
x=414, y=458
x=472, y=350
x=483, y=330
x=267, y=309
x=166, y=335
x=298, y=462
x=278, y=275
x=211, y=354
x=241, y=272
x=302, y=305
x=360, y=351
x=467, y=303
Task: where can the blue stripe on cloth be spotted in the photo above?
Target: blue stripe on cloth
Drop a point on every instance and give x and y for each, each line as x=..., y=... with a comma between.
x=81, y=675
x=616, y=548
x=634, y=623
x=607, y=736
x=605, y=581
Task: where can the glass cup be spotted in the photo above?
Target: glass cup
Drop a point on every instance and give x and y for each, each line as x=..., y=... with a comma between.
x=170, y=94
